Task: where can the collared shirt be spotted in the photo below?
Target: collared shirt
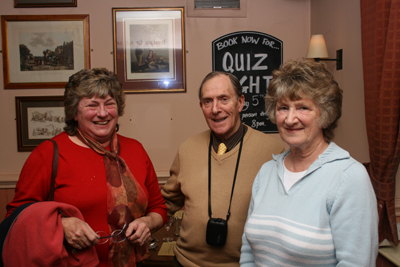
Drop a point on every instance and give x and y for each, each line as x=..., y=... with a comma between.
x=232, y=141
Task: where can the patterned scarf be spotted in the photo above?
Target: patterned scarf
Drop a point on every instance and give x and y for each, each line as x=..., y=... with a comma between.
x=126, y=201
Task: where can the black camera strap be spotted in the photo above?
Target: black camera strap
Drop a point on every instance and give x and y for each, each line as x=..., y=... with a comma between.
x=209, y=176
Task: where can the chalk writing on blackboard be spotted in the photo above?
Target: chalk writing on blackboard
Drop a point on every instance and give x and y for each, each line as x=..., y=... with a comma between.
x=251, y=57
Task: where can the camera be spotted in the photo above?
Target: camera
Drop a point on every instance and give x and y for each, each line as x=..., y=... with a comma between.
x=217, y=230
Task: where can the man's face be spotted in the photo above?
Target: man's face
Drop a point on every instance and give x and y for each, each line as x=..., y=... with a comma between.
x=221, y=106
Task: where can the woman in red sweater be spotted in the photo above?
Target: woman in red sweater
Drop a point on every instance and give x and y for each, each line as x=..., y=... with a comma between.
x=108, y=177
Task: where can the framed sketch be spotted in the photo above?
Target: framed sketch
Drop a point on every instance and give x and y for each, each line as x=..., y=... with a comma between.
x=43, y=51
x=39, y=118
x=45, y=3
x=149, y=49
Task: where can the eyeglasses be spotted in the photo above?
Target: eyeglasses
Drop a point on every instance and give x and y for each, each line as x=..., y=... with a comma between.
x=117, y=236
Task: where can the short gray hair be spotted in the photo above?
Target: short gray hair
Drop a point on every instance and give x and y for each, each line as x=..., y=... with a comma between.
x=234, y=80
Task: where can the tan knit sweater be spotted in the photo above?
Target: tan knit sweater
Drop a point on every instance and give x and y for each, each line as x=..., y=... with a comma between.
x=188, y=187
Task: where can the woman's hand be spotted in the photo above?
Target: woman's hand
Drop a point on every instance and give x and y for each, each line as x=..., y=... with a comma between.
x=139, y=231
x=78, y=233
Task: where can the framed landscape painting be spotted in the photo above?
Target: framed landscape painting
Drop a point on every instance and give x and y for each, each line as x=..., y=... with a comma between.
x=43, y=51
x=149, y=49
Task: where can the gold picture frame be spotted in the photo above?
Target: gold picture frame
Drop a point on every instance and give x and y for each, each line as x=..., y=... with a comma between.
x=149, y=49
x=43, y=51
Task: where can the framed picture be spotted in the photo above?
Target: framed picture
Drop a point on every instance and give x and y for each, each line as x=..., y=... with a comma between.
x=149, y=49
x=43, y=51
x=44, y=3
x=39, y=118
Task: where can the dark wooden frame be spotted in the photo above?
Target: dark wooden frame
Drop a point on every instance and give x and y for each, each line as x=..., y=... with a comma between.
x=22, y=103
x=172, y=80
x=84, y=56
x=42, y=3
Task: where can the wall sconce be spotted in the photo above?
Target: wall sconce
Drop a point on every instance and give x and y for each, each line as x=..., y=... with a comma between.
x=318, y=51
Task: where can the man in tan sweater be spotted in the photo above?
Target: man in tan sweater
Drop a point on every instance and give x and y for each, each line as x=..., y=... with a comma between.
x=221, y=101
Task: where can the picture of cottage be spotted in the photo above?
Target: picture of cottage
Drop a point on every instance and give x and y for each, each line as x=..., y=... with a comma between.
x=45, y=52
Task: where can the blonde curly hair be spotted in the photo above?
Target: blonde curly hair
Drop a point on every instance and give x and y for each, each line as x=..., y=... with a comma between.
x=303, y=78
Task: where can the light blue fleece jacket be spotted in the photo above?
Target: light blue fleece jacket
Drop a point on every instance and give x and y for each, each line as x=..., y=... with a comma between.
x=328, y=218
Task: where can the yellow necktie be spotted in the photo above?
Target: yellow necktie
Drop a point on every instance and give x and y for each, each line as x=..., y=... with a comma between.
x=221, y=149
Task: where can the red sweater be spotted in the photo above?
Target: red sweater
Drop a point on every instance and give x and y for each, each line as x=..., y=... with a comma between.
x=81, y=180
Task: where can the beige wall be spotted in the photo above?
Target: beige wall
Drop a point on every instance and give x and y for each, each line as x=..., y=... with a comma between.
x=162, y=121
x=340, y=23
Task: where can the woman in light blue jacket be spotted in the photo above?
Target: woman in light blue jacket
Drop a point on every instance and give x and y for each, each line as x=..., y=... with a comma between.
x=313, y=205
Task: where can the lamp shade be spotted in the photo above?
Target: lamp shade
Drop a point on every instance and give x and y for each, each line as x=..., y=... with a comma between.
x=317, y=47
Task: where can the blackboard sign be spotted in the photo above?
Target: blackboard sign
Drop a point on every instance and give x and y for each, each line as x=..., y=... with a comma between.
x=251, y=57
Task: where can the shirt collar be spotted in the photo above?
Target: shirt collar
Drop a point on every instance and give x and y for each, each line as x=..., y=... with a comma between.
x=232, y=141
